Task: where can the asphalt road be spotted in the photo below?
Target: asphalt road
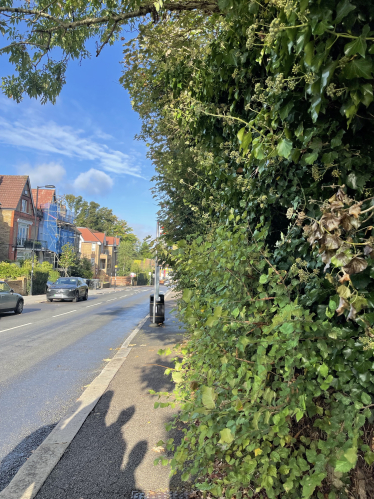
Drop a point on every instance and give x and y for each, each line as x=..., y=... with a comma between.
x=47, y=357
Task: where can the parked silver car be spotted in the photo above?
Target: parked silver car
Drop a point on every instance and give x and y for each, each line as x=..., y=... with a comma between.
x=68, y=288
x=9, y=300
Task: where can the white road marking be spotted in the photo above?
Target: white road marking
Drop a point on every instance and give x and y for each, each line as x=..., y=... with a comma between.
x=94, y=304
x=58, y=315
x=112, y=299
x=15, y=327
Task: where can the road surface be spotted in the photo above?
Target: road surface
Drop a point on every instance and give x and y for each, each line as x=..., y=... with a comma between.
x=47, y=357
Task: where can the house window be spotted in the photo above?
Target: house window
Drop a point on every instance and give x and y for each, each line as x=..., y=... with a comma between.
x=26, y=192
x=102, y=264
x=22, y=234
x=93, y=247
x=24, y=206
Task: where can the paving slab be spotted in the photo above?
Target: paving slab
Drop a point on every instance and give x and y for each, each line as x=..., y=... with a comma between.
x=112, y=454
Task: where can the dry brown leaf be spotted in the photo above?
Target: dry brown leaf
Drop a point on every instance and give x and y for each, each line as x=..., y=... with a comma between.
x=345, y=278
x=343, y=305
x=352, y=314
x=355, y=210
x=159, y=449
x=330, y=221
x=355, y=266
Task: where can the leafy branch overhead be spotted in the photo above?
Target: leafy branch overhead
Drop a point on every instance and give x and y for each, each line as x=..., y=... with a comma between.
x=35, y=34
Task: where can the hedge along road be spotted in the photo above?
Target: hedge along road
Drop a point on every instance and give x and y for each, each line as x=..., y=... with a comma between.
x=47, y=357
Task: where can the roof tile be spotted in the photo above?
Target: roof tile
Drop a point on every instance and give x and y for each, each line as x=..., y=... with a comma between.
x=11, y=188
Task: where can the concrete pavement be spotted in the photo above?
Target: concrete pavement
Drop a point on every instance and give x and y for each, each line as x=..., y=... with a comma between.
x=48, y=355
x=112, y=454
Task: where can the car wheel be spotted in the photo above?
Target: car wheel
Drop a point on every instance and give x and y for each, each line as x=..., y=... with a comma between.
x=50, y=299
x=76, y=298
x=19, y=307
x=85, y=296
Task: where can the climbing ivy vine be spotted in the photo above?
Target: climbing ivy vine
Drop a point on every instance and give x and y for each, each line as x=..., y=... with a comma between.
x=259, y=124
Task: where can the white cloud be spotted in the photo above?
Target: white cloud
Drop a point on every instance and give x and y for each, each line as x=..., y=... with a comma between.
x=67, y=141
x=46, y=173
x=94, y=182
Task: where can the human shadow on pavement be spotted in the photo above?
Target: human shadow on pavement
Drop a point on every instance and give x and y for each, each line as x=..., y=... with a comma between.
x=13, y=461
x=98, y=462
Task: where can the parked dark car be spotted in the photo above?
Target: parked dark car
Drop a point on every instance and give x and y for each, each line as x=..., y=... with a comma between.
x=68, y=288
x=49, y=283
x=9, y=300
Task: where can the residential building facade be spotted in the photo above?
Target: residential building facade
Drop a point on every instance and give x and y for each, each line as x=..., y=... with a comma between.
x=57, y=224
x=100, y=249
x=17, y=219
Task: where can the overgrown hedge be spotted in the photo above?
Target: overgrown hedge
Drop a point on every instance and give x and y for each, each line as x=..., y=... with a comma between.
x=260, y=122
x=43, y=272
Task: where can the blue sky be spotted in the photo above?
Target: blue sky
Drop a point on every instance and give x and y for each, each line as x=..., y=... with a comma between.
x=84, y=144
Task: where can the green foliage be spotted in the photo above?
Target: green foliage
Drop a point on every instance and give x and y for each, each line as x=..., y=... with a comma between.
x=11, y=271
x=145, y=250
x=254, y=120
x=125, y=257
x=98, y=218
x=68, y=259
x=82, y=268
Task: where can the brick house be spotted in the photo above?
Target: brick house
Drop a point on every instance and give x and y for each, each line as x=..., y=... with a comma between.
x=17, y=212
x=100, y=249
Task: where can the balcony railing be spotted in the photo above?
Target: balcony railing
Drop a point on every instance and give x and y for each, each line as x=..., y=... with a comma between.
x=23, y=242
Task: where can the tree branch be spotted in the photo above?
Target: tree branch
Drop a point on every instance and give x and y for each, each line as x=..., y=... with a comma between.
x=208, y=6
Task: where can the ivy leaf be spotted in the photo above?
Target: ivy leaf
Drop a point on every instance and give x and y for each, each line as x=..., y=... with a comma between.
x=359, y=68
x=208, y=397
x=342, y=10
x=177, y=376
x=351, y=455
x=343, y=465
x=343, y=292
x=365, y=398
x=187, y=294
x=355, y=266
x=367, y=94
x=241, y=134
x=247, y=139
x=357, y=46
x=311, y=482
x=235, y=312
x=284, y=148
x=310, y=157
x=226, y=436
x=369, y=458
x=288, y=486
x=324, y=370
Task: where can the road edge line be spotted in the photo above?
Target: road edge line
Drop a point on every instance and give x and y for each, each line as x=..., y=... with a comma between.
x=34, y=472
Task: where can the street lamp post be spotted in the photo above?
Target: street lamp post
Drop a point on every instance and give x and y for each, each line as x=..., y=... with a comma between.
x=33, y=241
x=156, y=293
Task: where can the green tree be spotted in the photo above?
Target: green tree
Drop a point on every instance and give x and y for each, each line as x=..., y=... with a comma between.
x=97, y=218
x=144, y=250
x=126, y=255
x=68, y=259
x=35, y=32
